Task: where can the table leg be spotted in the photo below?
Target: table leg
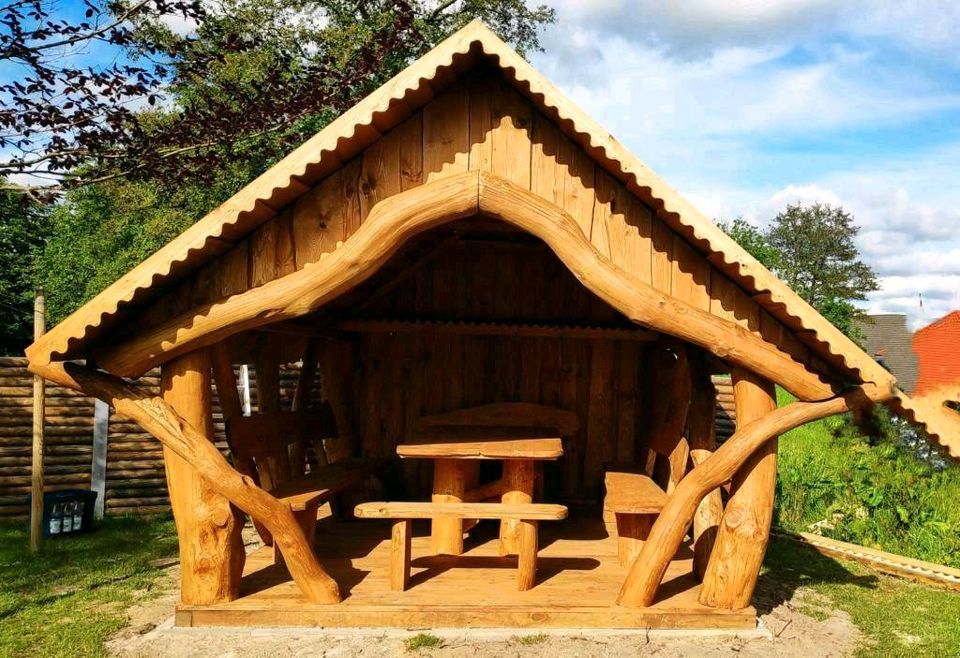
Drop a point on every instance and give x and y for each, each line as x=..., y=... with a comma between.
x=518, y=482
x=449, y=484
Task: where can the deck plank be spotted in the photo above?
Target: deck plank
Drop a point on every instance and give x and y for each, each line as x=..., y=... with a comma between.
x=578, y=580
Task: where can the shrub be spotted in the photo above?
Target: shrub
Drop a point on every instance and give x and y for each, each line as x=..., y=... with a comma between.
x=886, y=495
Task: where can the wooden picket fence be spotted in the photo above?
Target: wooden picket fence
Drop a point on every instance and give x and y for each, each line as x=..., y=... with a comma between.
x=133, y=480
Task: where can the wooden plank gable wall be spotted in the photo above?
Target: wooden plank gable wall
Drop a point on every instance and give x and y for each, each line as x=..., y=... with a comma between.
x=481, y=123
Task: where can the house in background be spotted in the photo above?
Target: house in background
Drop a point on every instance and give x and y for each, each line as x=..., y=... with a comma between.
x=887, y=339
x=937, y=347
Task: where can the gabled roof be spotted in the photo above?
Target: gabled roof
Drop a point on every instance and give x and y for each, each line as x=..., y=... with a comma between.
x=385, y=108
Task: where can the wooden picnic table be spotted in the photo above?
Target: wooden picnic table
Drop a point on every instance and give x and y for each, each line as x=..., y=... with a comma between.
x=453, y=447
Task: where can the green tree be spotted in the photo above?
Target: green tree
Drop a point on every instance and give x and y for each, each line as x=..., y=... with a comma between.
x=752, y=239
x=812, y=249
x=23, y=230
x=252, y=81
x=818, y=257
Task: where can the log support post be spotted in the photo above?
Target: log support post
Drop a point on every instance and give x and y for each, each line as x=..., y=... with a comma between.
x=208, y=526
x=640, y=587
x=400, y=555
x=743, y=533
x=449, y=486
x=526, y=554
x=518, y=484
x=701, y=433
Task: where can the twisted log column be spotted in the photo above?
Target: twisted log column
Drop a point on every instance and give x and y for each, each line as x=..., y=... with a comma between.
x=640, y=587
x=744, y=531
x=208, y=526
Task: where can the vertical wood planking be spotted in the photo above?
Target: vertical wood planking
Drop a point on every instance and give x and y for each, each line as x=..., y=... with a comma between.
x=263, y=255
x=410, y=135
x=690, y=279
x=510, y=118
x=235, y=270
x=446, y=137
x=285, y=255
x=545, y=178
x=318, y=220
x=627, y=402
x=380, y=172
x=601, y=430
x=578, y=183
x=661, y=265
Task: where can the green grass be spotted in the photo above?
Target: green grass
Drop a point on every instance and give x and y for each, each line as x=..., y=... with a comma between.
x=530, y=640
x=897, y=618
x=422, y=641
x=69, y=598
x=834, y=482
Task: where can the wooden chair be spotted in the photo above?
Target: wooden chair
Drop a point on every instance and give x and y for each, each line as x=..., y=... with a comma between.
x=273, y=447
x=526, y=515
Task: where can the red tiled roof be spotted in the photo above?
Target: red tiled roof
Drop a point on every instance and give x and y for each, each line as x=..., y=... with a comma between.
x=938, y=352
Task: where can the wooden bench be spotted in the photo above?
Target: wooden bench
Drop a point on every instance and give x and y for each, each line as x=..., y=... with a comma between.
x=527, y=515
x=636, y=501
x=273, y=448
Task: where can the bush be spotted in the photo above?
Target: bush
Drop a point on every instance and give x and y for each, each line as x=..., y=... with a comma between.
x=834, y=482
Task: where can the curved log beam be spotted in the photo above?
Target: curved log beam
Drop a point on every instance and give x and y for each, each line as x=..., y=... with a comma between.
x=668, y=531
x=159, y=419
x=395, y=220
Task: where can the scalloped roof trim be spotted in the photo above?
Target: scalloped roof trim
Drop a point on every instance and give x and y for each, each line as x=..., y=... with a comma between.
x=245, y=207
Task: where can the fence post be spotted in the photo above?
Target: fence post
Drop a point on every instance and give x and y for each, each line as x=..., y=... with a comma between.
x=98, y=468
x=39, y=403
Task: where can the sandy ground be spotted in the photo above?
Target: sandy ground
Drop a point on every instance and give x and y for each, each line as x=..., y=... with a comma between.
x=784, y=631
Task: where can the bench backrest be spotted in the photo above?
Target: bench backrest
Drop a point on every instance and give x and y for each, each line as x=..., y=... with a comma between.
x=666, y=418
x=275, y=444
x=505, y=414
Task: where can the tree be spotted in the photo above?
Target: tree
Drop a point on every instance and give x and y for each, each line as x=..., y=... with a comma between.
x=23, y=230
x=254, y=78
x=818, y=257
x=752, y=239
x=812, y=249
x=253, y=75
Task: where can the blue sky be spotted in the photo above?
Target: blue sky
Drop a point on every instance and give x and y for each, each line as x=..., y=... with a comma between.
x=747, y=106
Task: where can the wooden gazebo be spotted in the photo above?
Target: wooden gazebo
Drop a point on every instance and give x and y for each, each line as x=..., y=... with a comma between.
x=505, y=328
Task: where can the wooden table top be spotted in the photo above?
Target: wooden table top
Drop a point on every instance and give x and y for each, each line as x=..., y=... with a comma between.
x=472, y=442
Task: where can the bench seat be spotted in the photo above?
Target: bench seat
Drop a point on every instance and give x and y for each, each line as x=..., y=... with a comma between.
x=527, y=515
x=323, y=483
x=635, y=500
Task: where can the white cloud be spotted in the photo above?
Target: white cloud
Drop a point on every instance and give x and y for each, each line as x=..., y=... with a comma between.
x=739, y=105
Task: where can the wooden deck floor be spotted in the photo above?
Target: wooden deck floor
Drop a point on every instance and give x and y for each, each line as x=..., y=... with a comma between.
x=577, y=583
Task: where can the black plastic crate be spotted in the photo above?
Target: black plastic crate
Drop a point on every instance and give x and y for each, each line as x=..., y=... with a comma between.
x=67, y=512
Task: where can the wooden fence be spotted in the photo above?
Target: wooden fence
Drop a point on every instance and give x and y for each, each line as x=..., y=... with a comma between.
x=133, y=479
